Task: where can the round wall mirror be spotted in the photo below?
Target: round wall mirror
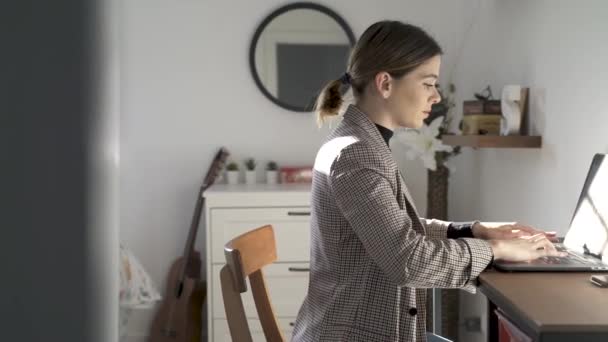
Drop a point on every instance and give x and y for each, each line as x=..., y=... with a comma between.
x=296, y=50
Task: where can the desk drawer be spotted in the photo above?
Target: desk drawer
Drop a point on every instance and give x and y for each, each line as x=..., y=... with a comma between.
x=508, y=331
x=287, y=285
x=221, y=332
x=291, y=230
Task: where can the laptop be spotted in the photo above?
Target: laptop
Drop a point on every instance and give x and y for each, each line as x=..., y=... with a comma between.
x=587, y=238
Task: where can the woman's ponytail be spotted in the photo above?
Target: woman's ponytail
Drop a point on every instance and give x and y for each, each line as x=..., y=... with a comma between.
x=331, y=98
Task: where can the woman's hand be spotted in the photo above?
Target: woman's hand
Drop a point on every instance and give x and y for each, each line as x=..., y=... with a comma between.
x=507, y=231
x=524, y=249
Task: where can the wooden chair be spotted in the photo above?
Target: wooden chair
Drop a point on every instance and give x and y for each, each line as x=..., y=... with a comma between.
x=245, y=257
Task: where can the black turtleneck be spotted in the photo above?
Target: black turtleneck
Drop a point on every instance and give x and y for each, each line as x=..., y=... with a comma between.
x=455, y=230
x=386, y=133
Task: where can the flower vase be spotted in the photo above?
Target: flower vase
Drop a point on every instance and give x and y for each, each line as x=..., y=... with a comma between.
x=437, y=208
x=437, y=193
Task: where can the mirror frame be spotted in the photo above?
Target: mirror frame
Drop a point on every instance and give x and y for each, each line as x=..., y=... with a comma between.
x=268, y=20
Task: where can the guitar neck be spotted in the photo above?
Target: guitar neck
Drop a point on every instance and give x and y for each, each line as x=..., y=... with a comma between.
x=209, y=179
x=195, y=222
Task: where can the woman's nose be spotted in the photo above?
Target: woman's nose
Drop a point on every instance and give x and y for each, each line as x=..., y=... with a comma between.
x=436, y=98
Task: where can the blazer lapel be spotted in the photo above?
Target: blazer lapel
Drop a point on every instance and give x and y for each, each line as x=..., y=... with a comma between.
x=357, y=117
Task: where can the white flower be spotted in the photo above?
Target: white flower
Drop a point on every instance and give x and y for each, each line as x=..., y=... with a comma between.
x=423, y=143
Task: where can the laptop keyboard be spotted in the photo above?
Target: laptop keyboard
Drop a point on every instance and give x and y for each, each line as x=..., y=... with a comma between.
x=559, y=260
x=560, y=247
x=569, y=259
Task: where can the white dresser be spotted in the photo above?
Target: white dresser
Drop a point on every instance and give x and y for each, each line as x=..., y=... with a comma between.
x=231, y=210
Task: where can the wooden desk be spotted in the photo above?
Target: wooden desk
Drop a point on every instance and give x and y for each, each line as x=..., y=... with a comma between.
x=548, y=306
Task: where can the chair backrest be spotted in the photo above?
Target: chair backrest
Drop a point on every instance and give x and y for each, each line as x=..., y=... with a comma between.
x=245, y=257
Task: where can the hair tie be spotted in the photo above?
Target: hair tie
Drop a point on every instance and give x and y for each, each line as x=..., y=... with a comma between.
x=346, y=79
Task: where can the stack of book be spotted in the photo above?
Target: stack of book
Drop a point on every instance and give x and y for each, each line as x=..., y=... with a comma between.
x=481, y=117
x=293, y=174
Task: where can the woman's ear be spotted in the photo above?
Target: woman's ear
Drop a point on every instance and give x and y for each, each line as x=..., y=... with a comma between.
x=383, y=83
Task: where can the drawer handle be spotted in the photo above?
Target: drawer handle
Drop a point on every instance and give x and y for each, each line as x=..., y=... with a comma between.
x=292, y=324
x=298, y=213
x=299, y=269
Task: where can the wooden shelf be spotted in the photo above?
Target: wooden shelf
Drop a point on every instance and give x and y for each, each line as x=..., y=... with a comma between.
x=493, y=141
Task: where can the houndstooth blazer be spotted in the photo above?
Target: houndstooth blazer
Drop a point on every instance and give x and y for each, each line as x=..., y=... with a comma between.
x=372, y=256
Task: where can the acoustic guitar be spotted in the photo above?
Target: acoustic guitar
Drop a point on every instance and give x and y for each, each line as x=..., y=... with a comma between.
x=179, y=318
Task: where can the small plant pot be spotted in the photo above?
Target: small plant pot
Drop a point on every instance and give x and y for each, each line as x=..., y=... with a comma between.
x=272, y=177
x=250, y=177
x=232, y=177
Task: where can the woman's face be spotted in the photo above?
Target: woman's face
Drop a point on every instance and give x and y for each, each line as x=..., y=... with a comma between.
x=410, y=98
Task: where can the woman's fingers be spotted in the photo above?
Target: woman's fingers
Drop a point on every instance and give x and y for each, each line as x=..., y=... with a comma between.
x=527, y=229
x=537, y=238
x=551, y=235
x=546, y=248
x=518, y=233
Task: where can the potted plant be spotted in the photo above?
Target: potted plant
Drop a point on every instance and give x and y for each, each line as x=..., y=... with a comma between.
x=232, y=173
x=272, y=173
x=250, y=174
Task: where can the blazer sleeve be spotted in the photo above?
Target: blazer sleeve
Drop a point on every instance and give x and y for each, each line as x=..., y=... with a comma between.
x=365, y=198
x=436, y=229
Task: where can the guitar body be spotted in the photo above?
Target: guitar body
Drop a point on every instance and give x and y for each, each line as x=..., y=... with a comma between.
x=179, y=319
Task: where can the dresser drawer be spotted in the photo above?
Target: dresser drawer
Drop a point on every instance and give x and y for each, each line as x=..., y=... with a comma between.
x=221, y=332
x=291, y=230
x=287, y=285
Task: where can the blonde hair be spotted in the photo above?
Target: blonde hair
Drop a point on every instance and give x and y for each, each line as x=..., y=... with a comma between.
x=390, y=46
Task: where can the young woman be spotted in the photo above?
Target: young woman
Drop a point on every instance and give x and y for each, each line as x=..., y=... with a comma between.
x=372, y=256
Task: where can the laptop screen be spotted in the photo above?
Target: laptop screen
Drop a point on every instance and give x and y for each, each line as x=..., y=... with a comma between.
x=588, y=231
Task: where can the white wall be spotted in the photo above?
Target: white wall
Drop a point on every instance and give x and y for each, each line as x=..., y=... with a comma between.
x=187, y=89
x=557, y=48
